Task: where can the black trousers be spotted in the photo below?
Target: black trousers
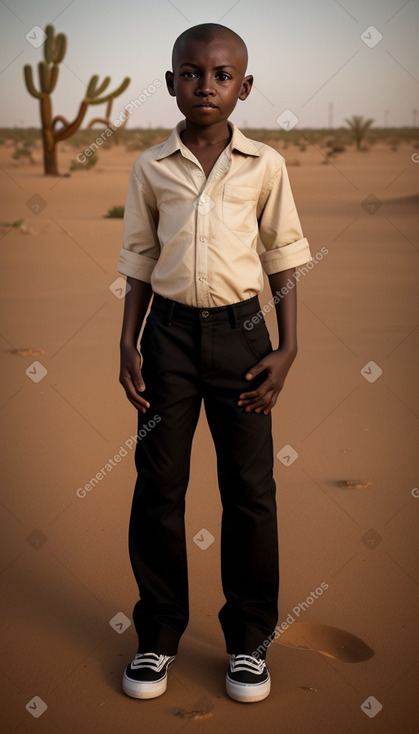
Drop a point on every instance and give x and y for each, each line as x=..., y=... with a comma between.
x=190, y=355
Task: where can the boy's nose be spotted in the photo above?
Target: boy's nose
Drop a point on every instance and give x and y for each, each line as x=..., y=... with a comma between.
x=205, y=86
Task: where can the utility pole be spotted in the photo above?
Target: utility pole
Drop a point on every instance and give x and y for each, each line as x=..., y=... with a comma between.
x=330, y=114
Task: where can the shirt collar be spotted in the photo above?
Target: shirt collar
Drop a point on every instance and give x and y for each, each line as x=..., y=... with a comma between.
x=238, y=142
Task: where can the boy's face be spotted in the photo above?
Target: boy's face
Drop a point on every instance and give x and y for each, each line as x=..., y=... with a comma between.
x=208, y=79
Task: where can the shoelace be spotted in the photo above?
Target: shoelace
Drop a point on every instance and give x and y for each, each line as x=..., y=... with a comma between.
x=247, y=663
x=150, y=660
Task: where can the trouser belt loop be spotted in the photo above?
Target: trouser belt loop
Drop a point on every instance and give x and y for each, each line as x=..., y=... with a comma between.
x=232, y=316
x=170, y=309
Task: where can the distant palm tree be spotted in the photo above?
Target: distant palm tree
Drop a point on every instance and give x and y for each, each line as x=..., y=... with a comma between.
x=359, y=127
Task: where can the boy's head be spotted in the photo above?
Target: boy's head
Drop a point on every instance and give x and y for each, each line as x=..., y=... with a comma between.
x=208, y=77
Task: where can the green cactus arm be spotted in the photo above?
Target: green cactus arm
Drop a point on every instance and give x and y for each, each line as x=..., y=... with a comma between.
x=92, y=86
x=53, y=78
x=93, y=90
x=98, y=100
x=60, y=48
x=54, y=46
x=27, y=70
x=101, y=88
x=43, y=71
x=49, y=44
x=48, y=76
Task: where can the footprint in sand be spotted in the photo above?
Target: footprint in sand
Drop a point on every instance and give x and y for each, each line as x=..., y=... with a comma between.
x=329, y=641
x=203, y=709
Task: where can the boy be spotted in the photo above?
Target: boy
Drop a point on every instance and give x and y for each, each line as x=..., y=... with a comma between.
x=198, y=206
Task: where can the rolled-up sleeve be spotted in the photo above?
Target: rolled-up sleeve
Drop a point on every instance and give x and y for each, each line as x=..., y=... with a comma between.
x=141, y=248
x=280, y=233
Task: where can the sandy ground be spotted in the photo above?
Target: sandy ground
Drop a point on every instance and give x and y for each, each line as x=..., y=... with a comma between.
x=347, y=503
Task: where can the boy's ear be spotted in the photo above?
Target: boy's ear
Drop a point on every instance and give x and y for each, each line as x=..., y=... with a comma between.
x=246, y=87
x=170, y=77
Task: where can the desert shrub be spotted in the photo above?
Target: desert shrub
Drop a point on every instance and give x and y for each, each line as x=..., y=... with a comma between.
x=75, y=165
x=19, y=135
x=22, y=152
x=17, y=223
x=336, y=148
x=333, y=147
x=394, y=142
x=23, y=149
x=116, y=212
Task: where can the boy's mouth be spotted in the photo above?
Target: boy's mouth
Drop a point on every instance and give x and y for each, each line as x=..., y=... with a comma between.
x=206, y=105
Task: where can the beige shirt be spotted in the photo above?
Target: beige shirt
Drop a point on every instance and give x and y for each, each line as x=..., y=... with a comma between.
x=205, y=241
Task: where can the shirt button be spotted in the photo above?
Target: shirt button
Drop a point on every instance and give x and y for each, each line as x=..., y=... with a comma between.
x=202, y=239
x=204, y=314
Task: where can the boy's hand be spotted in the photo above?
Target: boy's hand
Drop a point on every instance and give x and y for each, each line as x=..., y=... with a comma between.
x=131, y=378
x=277, y=365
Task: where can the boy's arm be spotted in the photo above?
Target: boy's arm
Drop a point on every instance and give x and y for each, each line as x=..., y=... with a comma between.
x=136, y=304
x=278, y=362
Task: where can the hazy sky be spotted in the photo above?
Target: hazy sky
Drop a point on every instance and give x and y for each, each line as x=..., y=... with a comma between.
x=306, y=55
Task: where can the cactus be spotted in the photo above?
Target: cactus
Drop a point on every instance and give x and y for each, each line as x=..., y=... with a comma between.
x=105, y=120
x=54, y=52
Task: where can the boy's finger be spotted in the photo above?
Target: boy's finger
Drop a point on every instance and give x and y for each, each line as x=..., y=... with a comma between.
x=138, y=407
x=247, y=397
x=137, y=381
x=133, y=396
x=129, y=385
x=256, y=408
x=259, y=367
x=139, y=400
x=254, y=394
x=258, y=405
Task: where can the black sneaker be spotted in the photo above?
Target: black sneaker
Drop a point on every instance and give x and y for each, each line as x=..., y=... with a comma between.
x=248, y=679
x=146, y=675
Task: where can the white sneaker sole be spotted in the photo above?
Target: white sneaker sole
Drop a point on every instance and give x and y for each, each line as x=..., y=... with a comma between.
x=143, y=689
x=248, y=692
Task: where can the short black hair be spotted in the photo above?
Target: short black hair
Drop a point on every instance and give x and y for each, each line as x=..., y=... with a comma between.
x=207, y=32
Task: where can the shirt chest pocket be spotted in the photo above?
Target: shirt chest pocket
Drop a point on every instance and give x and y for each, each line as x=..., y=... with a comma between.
x=239, y=207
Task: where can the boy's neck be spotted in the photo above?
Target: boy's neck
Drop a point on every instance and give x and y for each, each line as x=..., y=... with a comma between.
x=200, y=136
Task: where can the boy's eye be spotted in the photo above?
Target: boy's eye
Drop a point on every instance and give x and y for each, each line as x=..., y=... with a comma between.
x=220, y=75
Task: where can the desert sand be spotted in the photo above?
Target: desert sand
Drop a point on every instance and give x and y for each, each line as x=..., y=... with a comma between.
x=345, y=427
